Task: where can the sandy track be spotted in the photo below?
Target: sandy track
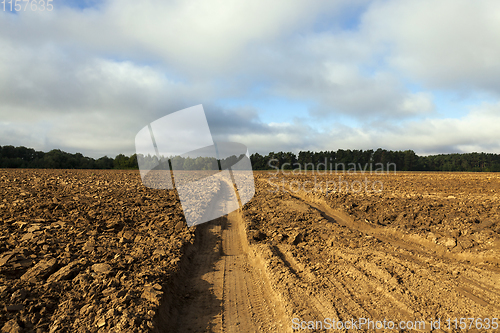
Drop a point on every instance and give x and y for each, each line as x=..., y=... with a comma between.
x=249, y=301
x=221, y=286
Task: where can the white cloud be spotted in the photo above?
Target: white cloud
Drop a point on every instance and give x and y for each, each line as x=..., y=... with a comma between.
x=476, y=131
x=339, y=88
x=473, y=132
x=417, y=103
x=450, y=44
x=196, y=37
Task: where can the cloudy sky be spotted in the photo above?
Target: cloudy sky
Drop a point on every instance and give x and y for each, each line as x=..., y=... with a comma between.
x=276, y=75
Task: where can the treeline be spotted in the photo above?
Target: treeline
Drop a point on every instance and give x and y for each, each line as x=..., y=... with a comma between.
x=380, y=159
x=22, y=157
x=187, y=163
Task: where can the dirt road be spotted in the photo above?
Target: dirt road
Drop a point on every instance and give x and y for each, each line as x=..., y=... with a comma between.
x=222, y=286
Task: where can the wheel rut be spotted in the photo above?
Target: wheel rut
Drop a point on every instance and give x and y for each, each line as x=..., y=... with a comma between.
x=221, y=286
x=393, y=277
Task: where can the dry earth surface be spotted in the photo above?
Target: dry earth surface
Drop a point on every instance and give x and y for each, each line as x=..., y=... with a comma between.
x=96, y=251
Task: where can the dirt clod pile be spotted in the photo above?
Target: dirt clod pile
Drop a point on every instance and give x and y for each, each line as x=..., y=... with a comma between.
x=84, y=251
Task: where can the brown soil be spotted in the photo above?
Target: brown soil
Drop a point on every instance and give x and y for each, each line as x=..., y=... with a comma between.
x=95, y=251
x=85, y=251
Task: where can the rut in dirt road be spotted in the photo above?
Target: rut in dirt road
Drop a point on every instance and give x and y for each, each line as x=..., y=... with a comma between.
x=221, y=287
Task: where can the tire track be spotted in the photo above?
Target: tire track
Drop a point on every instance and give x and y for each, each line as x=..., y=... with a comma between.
x=221, y=287
x=411, y=294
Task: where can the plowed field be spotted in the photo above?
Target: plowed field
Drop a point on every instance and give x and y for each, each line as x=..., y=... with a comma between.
x=96, y=251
